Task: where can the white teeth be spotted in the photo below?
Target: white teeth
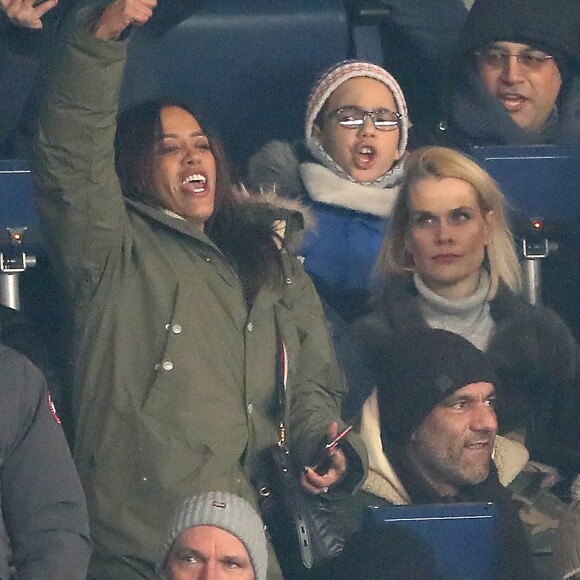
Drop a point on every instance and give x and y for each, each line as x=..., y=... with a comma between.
x=366, y=150
x=194, y=177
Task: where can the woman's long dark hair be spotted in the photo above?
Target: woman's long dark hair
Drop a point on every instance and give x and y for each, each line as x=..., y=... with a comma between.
x=248, y=244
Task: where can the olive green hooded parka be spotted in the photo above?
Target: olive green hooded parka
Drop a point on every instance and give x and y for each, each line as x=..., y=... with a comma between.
x=174, y=377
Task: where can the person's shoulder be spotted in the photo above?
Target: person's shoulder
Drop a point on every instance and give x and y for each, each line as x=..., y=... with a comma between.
x=18, y=373
x=510, y=304
x=10, y=358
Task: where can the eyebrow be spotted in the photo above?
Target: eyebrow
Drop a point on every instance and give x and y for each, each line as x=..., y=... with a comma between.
x=525, y=47
x=186, y=552
x=453, y=398
x=240, y=561
x=458, y=208
x=176, y=136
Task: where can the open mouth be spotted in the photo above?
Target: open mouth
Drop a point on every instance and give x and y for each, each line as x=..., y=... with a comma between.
x=512, y=102
x=365, y=156
x=196, y=183
x=478, y=445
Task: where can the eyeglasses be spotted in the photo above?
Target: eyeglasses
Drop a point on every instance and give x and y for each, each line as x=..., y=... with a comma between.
x=498, y=59
x=354, y=118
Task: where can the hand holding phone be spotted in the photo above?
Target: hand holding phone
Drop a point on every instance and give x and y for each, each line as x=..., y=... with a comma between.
x=323, y=458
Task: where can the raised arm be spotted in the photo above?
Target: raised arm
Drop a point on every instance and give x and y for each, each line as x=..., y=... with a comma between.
x=78, y=193
x=27, y=13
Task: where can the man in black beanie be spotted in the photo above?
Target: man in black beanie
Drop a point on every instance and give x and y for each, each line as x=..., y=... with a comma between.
x=517, y=79
x=430, y=431
x=436, y=411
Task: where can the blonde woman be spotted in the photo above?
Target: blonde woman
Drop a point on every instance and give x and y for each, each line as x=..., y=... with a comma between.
x=448, y=261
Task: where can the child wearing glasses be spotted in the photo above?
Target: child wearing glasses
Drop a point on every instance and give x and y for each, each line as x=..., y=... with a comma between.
x=347, y=171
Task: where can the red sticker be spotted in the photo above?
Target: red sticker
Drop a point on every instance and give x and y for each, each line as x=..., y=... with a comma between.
x=53, y=410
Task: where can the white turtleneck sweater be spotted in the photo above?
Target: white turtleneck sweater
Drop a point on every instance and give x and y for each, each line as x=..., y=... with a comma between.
x=469, y=317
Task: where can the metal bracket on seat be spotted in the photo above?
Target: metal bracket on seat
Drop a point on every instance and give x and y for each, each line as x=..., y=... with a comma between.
x=535, y=248
x=13, y=261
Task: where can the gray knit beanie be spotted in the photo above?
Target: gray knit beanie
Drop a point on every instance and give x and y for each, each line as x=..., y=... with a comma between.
x=225, y=511
x=335, y=76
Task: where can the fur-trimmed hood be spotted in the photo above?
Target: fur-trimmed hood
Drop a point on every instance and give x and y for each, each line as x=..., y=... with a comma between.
x=276, y=166
x=509, y=457
x=267, y=205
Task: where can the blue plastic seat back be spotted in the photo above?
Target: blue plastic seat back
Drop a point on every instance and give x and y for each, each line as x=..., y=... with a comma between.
x=17, y=207
x=539, y=181
x=246, y=66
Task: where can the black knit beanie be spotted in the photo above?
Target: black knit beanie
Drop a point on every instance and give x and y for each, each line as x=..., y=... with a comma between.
x=552, y=26
x=416, y=370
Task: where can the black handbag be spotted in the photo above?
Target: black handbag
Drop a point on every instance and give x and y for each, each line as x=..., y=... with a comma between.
x=302, y=527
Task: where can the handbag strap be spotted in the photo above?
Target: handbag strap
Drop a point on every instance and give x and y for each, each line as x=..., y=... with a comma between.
x=282, y=390
x=298, y=508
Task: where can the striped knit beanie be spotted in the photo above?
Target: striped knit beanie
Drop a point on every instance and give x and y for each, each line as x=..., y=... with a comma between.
x=225, y=511
x=333, y=77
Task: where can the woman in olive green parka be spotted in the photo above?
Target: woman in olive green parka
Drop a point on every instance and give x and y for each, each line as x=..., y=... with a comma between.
x=181, y=299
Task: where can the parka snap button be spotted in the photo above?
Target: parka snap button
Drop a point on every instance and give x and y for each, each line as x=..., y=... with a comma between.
x=167, y=365
x=288, y=280
x=176, y=328
x=250, y=408
x=250, y=327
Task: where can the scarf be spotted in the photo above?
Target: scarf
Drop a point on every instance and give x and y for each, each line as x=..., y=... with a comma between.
x=328, y=187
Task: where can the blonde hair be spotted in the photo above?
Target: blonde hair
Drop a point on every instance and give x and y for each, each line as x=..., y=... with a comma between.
x=440, y=163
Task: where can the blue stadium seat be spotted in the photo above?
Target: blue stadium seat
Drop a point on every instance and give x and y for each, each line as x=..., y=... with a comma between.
x=17, y=209
x=246, y=66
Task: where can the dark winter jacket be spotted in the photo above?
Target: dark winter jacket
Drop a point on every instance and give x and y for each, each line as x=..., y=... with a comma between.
x=18, y=332
x=536, y=357
x=474, y=117
x=43, y=507
x=174, y=385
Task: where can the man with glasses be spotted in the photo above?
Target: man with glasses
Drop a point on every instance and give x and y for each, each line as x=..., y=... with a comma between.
x=518, y=79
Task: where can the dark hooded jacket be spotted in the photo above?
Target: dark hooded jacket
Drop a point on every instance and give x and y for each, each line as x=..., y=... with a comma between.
x=471, y=116
x=44, y=530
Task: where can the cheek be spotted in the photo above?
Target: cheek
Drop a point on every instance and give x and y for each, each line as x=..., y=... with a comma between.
x=335, y=143
x=389, y=143
x=419, y=244
x=478, y=241
x=490, y=79
x=213, y=166
x=549, y=89
x=162, y=172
